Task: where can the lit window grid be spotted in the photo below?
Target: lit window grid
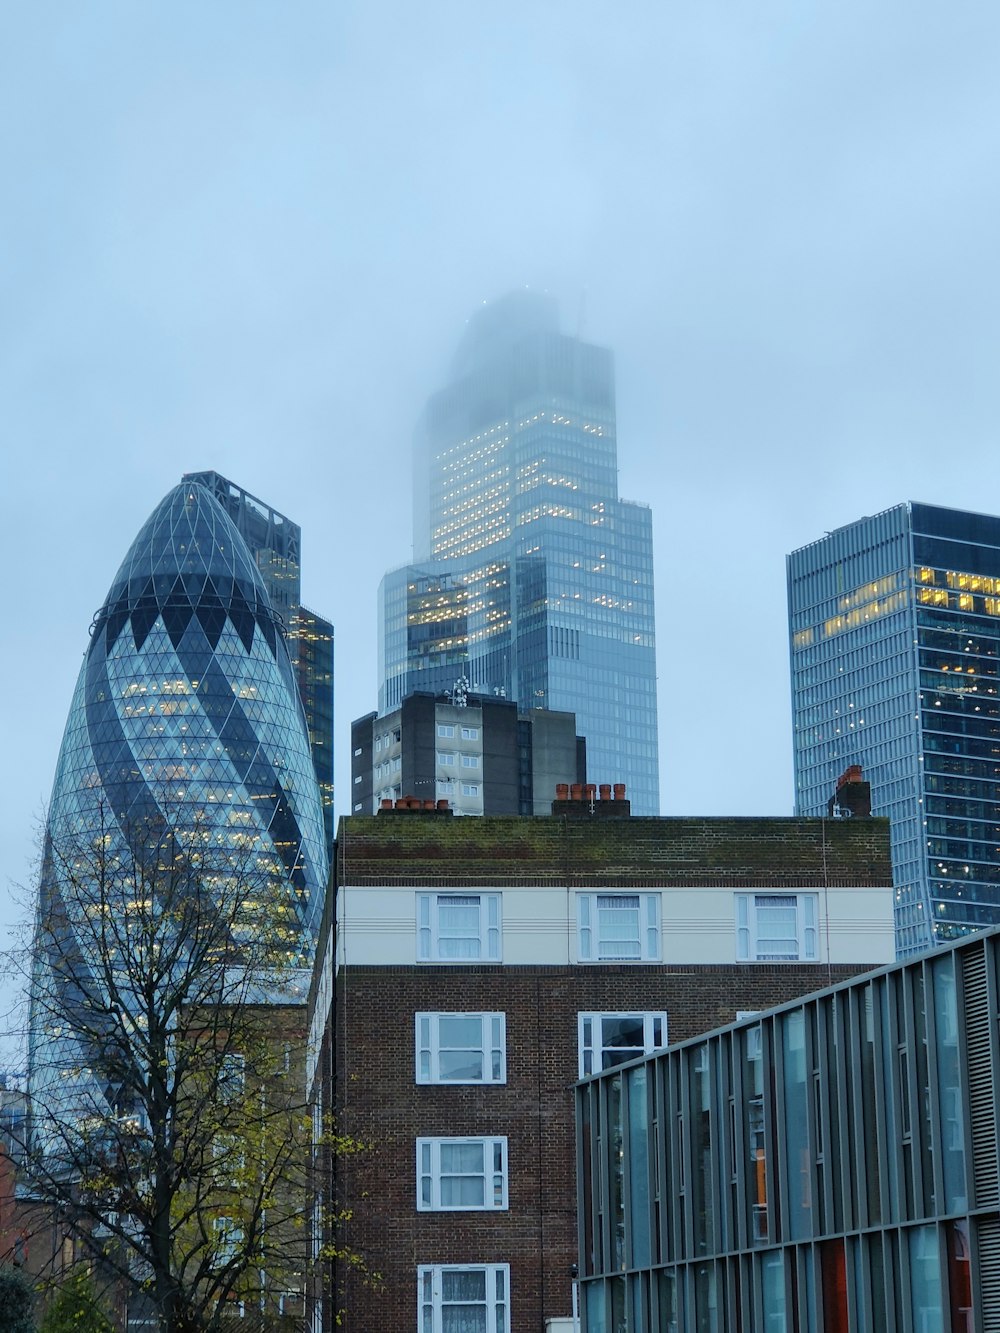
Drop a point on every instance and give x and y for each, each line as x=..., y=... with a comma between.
x=599, y=591
x=187, y=711
x=863, y=701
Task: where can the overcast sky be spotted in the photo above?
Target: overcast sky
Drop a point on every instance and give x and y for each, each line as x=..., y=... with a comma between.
x=247, y=236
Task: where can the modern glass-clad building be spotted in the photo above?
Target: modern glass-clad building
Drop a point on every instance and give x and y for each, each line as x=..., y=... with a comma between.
x=827, y=1167
x=895, y=665
x=186, y=725
x=531, y=578
x=276, y=545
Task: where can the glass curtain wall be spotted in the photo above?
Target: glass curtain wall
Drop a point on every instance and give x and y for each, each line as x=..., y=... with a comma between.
x=832, y=1166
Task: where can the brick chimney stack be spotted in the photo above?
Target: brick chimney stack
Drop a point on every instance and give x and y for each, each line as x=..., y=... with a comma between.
x=588, y=800
x=853, y=797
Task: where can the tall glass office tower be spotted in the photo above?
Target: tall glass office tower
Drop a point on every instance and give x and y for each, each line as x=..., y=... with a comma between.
x=532, y=579
x=895, y=665
x=186, y=730
x=276, y=544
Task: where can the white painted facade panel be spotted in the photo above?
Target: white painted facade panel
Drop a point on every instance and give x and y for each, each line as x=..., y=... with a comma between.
x=378, y=925
x=855, y=924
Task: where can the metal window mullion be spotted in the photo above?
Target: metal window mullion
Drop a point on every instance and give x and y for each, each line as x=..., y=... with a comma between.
x=716, y=1140
x=652, y=1184
x=773, y=1169
x=883, y=1147
x=906, y=1040
x=905, y=1292
x=626, y=1099
x=686, y=1159
x=936, y=1147
x=661, y=1152
x=582, y=1175
x=819, y=1105
x=811, y=1023
x=890, y=1062
x=605, y=1241
x=992, y=959
x=727, y=1151
x=672, y=1166
x=741, y=1093
x=992, y=989
x=853, y=1128
x=745, y=1262
x=774, y=1115
x=848, y=1065
x=863, y=1279
x=896, y=1311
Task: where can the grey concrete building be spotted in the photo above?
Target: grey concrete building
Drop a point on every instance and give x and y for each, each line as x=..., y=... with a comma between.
x=481, y=754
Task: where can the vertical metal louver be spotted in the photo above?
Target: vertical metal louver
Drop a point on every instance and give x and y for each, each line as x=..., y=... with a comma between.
x=981, y=1085
x=988, y=1231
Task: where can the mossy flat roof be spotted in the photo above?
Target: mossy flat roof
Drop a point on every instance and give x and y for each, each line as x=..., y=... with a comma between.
x=414, y=848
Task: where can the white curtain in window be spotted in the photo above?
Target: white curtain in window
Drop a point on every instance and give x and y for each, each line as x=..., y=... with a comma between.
x=777, y=926
x=458, y=927
x=618, y=926
x=463, y=1180
x=463, y=1302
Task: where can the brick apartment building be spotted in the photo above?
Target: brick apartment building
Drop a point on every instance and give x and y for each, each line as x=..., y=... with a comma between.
x=479, y=967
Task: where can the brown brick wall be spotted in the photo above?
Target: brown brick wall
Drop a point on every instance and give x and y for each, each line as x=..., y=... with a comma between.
x=380, y=1102
x=580, y=852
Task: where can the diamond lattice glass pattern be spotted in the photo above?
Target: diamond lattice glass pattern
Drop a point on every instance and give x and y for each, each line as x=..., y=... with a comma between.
x=187, y=712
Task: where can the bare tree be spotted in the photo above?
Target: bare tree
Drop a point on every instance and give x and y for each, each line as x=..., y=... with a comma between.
x=169, y=1134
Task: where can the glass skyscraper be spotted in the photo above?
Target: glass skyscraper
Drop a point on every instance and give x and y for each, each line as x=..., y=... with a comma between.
x=531, y=578
x=276, y=543
x=895, y=665
x=186, y=727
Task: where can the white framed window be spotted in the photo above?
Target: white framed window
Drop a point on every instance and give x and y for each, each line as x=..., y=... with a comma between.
x=463, y=1298
x=357, y=807
x=445, y=787
x=611, y=1039
x=618, y=927
x=470, y=760
x=461, y=1048
x=228, y=1237
x=465, y=1173
x=231, y=1078
x=777, y=927
x=445, y=759
x=357, y=781
x=470, y=789
x=470, y=733
x=445, y=729
x=458, y=927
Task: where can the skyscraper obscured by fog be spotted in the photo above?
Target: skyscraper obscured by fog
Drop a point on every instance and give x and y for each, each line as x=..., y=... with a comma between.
x=532, y=579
